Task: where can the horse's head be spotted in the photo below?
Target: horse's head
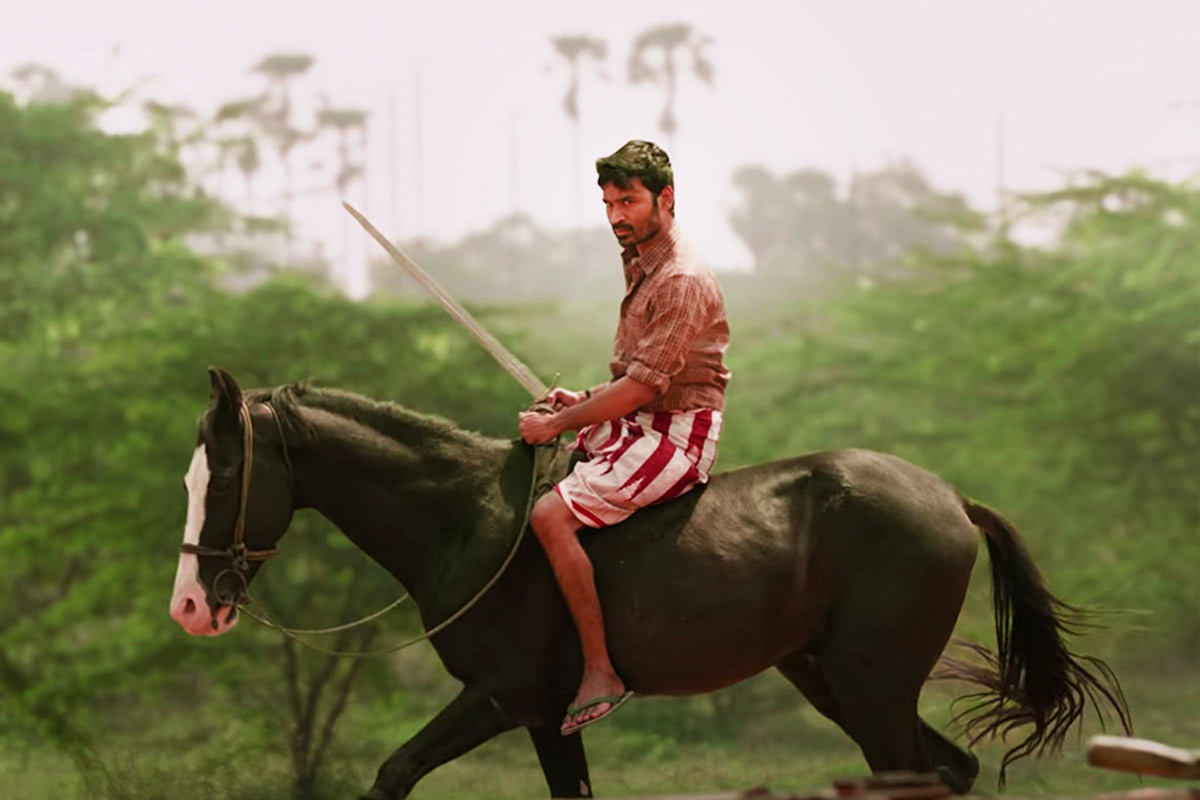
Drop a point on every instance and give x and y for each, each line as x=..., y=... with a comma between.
x=239, y=505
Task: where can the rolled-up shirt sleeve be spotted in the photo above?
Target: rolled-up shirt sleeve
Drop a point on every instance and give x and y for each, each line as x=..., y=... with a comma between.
x=677, y=313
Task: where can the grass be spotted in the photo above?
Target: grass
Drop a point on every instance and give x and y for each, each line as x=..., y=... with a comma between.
x=654, y=746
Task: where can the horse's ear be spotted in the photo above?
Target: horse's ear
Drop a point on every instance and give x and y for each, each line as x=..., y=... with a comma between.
x=226, y=396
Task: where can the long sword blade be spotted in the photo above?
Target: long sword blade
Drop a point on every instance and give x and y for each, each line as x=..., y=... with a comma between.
x=502, y=354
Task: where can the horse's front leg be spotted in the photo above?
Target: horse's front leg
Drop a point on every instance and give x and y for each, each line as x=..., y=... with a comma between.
x=563, y=761
x=469, y=721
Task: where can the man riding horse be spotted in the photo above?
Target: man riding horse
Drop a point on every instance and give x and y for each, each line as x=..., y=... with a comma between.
x=845, y=570
x=650, y=434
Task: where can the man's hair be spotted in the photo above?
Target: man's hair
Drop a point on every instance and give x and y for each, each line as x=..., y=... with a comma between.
x=639, y=159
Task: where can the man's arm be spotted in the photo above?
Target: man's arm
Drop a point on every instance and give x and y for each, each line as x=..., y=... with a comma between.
x=616, y=400
x=562, y=398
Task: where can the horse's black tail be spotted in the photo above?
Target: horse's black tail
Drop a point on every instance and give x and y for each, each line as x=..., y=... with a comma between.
x=1032, y=679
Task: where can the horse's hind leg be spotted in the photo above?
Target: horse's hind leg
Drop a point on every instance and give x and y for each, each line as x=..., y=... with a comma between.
x=563, y=761
x=958, y=767
x=801, y=669
x=867, y=674
x=876, y=712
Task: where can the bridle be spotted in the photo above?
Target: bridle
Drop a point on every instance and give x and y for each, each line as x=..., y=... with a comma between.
x=238, y=554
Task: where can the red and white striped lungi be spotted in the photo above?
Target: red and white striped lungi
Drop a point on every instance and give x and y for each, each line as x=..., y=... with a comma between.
x=638, y=460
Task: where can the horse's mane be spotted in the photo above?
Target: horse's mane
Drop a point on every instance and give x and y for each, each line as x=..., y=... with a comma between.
x=386, y=418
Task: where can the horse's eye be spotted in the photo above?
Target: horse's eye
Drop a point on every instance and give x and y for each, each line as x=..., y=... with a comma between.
x=220, y=484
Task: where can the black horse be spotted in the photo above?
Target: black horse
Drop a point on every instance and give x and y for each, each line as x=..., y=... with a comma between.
x=845, y=570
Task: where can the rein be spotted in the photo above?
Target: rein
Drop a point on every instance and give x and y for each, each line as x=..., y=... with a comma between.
x=544, y=457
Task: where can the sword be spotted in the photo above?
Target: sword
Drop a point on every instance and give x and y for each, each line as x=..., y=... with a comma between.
x=502, y=354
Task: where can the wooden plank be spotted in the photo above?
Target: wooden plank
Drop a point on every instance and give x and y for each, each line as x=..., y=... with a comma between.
x=1143, y=757
x=1139, y=794
x=829, y=794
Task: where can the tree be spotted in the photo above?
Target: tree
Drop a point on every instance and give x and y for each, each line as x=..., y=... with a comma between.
x=574, y=49
x=91, y=248
x=167, y=121
x=797, y=219
x=75, y=250
x=276, y=118
x=43, y=84
x=242, y=144
x=351, y=161
x=896, y=210
x=512, y=261
x=107, y=321
x=801, y=227
x=669, y=39
x=1057, y=382
x=342, y=121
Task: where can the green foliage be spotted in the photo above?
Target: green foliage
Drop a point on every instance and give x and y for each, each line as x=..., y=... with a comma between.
x=1059, y=385
x=107, y=442
x=103, y=379
x=89, y=223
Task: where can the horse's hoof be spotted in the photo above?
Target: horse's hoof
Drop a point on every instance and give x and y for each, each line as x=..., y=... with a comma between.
x=956, y=783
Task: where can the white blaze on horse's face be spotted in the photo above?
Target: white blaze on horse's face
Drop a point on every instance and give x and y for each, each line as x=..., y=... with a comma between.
x=189, y=605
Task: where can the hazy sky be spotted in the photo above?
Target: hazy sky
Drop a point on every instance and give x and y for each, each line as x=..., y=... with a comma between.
x=838, y=85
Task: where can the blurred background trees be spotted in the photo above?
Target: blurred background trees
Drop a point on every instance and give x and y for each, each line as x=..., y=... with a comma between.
x=108, y=319
x=575, y=50
x=672, y=42
x=803, y=229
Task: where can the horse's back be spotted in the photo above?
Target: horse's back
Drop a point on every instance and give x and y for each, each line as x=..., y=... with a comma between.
x=776, y=502
x=881, y=501
x=767, y=520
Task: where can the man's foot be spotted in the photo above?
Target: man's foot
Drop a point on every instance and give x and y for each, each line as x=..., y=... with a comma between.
x=583, y=714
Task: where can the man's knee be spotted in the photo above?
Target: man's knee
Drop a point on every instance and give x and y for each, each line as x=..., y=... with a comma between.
x=551, y=518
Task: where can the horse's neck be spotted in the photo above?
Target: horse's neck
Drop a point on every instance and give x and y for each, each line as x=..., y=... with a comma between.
x=403, y=504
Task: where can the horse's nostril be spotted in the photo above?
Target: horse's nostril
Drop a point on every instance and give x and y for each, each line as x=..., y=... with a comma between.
x=189, y=608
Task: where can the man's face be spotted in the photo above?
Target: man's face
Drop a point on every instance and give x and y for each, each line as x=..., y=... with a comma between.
x=633, y=212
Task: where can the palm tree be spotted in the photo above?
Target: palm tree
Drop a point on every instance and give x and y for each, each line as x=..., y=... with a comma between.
x=276, y=120
x=43, y=83
x=574, y=48
x=351, y=167
x=168, y=122
x=669, y=38
x=238, y=122
x=343, y=121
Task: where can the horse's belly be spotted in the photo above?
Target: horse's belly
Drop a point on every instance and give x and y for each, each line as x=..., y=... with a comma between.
x=686, y=643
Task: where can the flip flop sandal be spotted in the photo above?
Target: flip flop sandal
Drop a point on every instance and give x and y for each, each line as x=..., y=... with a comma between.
x=573, y=711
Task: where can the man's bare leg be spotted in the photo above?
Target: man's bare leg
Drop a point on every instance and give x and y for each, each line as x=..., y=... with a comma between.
x=556, y=528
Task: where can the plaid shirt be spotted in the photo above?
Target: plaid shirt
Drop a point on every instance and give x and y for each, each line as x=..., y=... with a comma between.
x=672, y=334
